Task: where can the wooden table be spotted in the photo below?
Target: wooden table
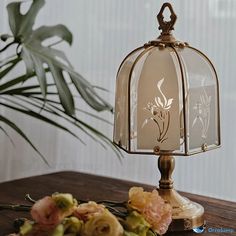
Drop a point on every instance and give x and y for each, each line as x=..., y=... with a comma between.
x=219, y=214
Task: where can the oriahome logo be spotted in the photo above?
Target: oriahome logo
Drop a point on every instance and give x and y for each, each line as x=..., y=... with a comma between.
x=201, y=229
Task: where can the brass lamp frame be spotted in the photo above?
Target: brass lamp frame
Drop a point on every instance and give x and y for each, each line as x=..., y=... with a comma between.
x=166, y=39
x=186, y=215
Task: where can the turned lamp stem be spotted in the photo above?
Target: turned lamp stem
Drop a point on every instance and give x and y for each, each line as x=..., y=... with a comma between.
x=186, y=215
x=166, y=165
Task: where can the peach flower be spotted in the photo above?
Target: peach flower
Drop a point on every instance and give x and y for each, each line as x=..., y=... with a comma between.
x=156, y=212
x=46, y=213
x=87, y=210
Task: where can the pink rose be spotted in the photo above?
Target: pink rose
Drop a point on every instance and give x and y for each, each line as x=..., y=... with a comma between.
x=46, y=213
x=87, y=210
x=155, y=211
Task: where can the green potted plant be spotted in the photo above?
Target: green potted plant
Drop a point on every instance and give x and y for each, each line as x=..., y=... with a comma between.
x=51, y=95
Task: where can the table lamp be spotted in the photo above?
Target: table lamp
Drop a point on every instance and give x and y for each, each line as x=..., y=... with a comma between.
x=167, y=104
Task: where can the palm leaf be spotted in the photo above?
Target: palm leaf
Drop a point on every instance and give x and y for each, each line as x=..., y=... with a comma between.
x=22, y=89
x=39, y=117
x=31, y=100
x=17, y=81
x=77, y=121
x=10, y=65
x=20, y=132
x=61, y=114
x=50, y=101
x=88, y=93
x=6, y=133
x=81, y=123
x=87, y=129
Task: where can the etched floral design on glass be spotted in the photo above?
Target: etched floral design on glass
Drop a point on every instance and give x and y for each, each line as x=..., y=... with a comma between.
x=159, y=113
x=202, y=108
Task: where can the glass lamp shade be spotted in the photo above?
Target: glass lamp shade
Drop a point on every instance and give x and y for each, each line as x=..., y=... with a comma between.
x=167, y=101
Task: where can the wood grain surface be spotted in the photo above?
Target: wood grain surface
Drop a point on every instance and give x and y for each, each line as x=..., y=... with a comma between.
x=218, y=213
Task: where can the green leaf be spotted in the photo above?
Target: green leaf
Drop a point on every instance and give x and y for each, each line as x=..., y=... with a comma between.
x=88, y=93
x=52, y=102
x=73, y=120
x=5, y=132
x=136, y=223
x=34, y=55
x=100, y=88
x=104, y=138
x=88, y=127
x=49, y=101
x=18, y=80
x=14, y=17
x=39, y=117
x=22, y=89
x=45, y=32
x=27, y=58
x=126, y=233
x=10, y=66
x=21, y=25
x=20, y=132
x=41, y=75
x=46, y=106
x=63, y=90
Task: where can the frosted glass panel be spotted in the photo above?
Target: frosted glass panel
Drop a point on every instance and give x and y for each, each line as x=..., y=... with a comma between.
x=202, y=100
x=155, y=105
x=134, y=95
x=121, y=105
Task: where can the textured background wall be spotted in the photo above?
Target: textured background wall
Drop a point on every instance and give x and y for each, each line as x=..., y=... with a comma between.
x=104, y=32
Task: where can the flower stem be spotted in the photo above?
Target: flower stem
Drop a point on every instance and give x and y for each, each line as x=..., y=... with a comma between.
x=16, y=207
x=29, y=198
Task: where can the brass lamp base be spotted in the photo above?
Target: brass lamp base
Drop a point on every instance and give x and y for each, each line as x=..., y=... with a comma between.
x=186, y=215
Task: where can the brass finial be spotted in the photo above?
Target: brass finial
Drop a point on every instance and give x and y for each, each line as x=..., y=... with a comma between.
x=166, y=26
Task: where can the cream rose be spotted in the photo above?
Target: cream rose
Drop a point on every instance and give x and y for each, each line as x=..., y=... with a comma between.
x=87, y=210
x=103, y=224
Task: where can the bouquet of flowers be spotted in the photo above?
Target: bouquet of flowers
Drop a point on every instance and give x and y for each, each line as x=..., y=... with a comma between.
x=145, y=214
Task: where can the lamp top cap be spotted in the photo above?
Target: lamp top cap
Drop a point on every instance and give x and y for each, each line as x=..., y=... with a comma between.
x=166, y=27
